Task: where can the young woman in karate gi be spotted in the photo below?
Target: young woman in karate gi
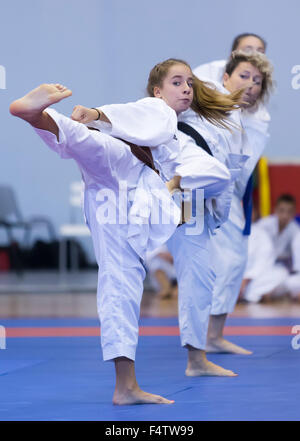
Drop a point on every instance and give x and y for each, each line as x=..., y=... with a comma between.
x=210, y=104
x=253, y=71
x=106, y=163
x=192, y=252
x=195, y=261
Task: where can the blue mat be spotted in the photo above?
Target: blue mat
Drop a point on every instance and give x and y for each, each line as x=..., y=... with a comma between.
x=66, y=379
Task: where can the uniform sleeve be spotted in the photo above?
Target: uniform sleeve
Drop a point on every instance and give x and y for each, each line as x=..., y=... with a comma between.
x=211, y=71
x=260, y=119
x=200, y=170
x=257, y=141
x=148, y=122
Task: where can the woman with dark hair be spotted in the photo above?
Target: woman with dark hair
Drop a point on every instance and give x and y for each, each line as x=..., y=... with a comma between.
x=249, y=42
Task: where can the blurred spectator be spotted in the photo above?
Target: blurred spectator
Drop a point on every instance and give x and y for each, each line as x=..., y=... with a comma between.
x=273, y=268
x=162, y=272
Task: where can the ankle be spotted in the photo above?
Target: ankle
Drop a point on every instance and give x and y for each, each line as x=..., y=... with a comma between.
x=127, y=388
x=196, y=356
x=214, y=338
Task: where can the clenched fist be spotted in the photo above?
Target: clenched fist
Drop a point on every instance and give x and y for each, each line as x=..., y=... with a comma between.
x=84, y=115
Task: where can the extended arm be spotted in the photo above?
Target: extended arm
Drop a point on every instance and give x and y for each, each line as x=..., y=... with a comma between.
x=148, y=122
x=86, y=115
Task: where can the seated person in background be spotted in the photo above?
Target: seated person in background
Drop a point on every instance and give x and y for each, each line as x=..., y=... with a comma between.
x=260, y=277
x=161, y=270
x=282, y=228
x=273, y=268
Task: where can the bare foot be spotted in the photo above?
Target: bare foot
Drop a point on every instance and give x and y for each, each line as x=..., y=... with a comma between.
x=207, y=369
x=138, y=396
x=37, y=100
x=221, y=345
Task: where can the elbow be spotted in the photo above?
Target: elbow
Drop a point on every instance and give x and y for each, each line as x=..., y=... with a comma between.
x=221, y=183
x=224, y=178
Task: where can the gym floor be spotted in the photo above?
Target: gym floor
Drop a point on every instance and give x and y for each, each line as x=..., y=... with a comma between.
x=52, y=367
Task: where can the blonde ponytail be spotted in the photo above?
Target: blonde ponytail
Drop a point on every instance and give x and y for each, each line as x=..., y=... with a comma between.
x=213, y=105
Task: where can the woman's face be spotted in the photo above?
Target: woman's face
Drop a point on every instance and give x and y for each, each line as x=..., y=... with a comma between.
x=247, y=76
x=177, y=88
x=251, y=44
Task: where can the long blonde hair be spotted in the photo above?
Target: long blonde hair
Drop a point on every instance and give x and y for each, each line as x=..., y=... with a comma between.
x=208, y=102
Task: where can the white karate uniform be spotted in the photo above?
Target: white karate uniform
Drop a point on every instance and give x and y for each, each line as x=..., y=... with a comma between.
x=229, y=245
x=212, y=71
x=286, y=246
x=282, y=240
x=198, y=170
x=132, y=123
x=261, y=270
x=120, y=244
x=192, y=253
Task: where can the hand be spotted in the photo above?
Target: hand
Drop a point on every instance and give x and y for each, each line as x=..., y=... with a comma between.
x=166, y=256
x=173, y=184
x=84, y=115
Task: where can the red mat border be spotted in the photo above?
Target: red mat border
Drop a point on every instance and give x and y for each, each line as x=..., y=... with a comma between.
x=151, y=331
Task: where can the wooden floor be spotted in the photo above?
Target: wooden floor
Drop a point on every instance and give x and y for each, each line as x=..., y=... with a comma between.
x=83, y=304
x=73, y=294
x=153, y=306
